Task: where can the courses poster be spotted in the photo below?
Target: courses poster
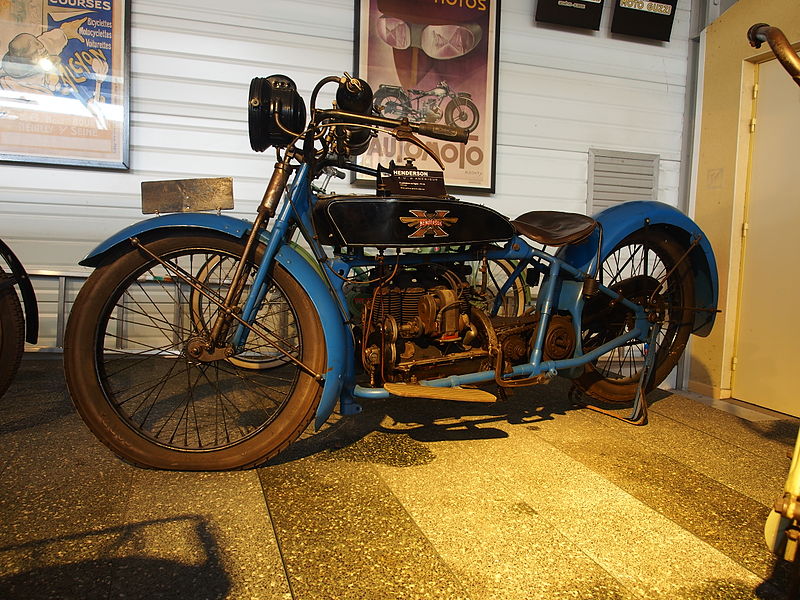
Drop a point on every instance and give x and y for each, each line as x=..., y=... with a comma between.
x=63, y=82
x=434, y=61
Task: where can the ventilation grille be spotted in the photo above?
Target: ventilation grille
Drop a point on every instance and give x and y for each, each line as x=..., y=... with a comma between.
x=616, y=177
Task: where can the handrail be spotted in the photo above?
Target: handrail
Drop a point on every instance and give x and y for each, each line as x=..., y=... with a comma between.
x=761, y=32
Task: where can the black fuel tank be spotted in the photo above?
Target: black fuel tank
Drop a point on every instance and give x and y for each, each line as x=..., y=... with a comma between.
x=407, y=221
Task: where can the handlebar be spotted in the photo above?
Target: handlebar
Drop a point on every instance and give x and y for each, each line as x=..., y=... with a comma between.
x=277, y=117
x=761, y=32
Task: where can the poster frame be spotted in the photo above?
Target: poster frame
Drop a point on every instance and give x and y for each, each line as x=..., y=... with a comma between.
x=117, y=85
x=489, y=146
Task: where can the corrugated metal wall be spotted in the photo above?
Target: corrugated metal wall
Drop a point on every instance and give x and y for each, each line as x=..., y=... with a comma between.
x=561, y=91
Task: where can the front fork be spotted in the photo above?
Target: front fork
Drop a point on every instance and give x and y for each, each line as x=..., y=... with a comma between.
x=266, y=210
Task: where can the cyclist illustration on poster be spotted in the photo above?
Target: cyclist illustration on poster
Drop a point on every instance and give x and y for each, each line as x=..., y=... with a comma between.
x=61, y=81
x=434, y=61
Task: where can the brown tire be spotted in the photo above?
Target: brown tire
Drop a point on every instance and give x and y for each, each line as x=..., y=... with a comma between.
x=635, y=268
x=139, y=390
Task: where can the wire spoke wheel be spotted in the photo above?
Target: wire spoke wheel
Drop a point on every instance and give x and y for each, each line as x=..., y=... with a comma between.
x=645, y=268
x=497, y=274
x=274, y=315
x=392, y=105
x=463, y=113
x=143, y=391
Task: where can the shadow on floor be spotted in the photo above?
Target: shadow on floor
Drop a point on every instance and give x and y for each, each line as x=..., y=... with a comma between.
x=110, y=563
x=424, y=420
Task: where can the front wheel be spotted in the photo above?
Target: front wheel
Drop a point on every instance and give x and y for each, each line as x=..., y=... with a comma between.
x=138, y=386
x=12, y=334
x=646, y=268
x=462, y=112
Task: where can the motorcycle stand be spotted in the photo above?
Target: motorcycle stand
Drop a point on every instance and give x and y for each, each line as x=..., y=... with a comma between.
x=638, y=414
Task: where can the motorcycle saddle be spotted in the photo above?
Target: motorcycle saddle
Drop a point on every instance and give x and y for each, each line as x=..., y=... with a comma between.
x=554, y=228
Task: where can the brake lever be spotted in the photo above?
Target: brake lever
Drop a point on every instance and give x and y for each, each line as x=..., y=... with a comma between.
x=403, y=133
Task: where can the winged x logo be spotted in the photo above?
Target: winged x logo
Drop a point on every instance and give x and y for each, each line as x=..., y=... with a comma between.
x=425, y=223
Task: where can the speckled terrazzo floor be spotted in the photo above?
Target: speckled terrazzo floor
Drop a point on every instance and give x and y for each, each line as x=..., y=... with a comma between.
x=524, y=499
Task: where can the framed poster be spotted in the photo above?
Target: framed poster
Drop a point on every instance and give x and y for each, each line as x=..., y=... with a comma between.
x=64, y=82
x=434, y=61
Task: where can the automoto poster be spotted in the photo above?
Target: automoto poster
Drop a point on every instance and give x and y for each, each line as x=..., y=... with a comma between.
x=434, y=61
x=63, y=82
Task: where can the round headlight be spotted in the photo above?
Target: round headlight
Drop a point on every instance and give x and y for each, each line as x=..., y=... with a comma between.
x=271, y=96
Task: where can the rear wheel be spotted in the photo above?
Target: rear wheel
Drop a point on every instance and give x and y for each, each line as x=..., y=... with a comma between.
x=636, y=269
x=497, y=274
x=12, y=333
x=256, y=353
x=136, y=383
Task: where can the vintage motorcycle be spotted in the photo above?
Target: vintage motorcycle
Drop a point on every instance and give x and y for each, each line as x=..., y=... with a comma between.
x=16, y=326
x=203, y=341
x=426, y=105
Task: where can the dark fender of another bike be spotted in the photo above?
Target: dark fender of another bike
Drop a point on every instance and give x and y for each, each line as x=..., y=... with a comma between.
x=337, y=337
x=621, y=220
x=22, y=280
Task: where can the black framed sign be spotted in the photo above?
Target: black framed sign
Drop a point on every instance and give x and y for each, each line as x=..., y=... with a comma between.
x=575, y=13
x=434, y=61
x=64, y=82
x=643, y=18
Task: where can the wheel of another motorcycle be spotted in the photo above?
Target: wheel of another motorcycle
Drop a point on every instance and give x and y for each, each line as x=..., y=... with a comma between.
x=635, y=268
x=499, y=271
x=12, y=334
x=391, y=104
x=463, y=113
x=257, y=353
x=137, y=386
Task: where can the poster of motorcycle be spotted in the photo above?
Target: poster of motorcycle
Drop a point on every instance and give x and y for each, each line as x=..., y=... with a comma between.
x=433, y=61
x=64, y=82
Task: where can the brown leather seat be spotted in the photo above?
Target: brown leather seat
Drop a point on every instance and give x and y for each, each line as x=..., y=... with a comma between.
x=554, y=228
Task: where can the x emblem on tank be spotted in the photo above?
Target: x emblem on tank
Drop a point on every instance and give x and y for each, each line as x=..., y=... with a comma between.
x=429, y=223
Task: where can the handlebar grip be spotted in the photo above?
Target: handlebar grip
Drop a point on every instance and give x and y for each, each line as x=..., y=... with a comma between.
x=448, y=133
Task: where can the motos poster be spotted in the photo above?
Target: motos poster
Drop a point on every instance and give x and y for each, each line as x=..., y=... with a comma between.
x=63, y=82
x=433, y=61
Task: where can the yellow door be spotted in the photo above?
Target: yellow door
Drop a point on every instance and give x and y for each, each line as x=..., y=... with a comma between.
x=767, y=353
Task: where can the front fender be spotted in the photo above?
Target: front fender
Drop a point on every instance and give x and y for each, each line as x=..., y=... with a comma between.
x=337, y=336
x=338, y=341
x=234, y=227
x=621, y=220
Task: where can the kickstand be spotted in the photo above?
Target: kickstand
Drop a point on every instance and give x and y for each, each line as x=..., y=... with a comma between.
x=638, y=414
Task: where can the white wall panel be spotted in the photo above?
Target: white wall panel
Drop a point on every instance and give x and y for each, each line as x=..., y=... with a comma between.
x=561, y=91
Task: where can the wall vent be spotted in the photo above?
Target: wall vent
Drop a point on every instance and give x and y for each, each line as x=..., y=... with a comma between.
x=616, y=177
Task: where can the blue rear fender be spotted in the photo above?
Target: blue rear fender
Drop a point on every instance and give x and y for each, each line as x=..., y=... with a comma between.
x=337, y=335
x=619, y=221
